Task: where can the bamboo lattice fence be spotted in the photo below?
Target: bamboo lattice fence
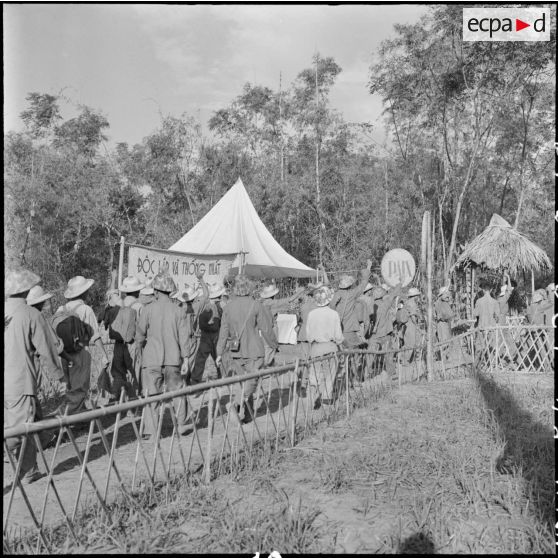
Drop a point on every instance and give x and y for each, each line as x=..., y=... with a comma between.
x=110, y=457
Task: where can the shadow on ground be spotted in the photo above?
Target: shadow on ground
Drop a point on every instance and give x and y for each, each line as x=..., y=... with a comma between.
x=419, y=543
x=529, y=446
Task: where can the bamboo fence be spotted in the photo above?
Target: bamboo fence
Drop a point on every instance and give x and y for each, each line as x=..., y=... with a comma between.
x=111, y=458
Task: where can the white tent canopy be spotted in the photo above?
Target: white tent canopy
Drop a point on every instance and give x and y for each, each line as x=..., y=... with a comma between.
x=233, y=226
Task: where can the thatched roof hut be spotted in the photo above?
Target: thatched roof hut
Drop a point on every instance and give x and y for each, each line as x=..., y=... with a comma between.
x=501, y=247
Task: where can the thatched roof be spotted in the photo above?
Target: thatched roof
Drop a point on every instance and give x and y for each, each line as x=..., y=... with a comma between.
x=502, y=247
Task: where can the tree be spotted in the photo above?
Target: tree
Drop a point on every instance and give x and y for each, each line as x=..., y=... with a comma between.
x=445, y=99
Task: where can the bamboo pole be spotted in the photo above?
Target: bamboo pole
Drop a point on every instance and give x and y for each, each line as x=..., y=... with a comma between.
x=347, y=403
x=121, y=262
x=429, y=352
x=294, y=406
x=210, y=423
x=472, y=291
x=281, y=131
x=532, y=283
x=318, y=203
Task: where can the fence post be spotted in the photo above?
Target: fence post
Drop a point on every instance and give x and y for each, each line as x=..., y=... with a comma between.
x=121, y=262
x=429, y=320
x=294, y=407
x=347, y=385
x=210, y=407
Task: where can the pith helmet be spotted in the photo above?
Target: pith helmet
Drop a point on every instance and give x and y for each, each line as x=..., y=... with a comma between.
x=378, y=293
x=346, y=281
x=268, y=291
x=368, y=287
x=178, y=296
x=37, y=295
x=16, y=282
x=163, y=283
x=242, y=285
x=323, y=295
x=215, y=291
x=131, y=285
x=77, y=285
x=537, y=297
x=148, y=289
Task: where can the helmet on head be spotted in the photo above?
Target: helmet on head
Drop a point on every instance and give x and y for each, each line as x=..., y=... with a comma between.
x=537, y=297
x=346, y=281
x=323, y=295
x=242, y=286
x=163, y=283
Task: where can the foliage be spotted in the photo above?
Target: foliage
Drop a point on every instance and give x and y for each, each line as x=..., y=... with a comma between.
x=470, y=125
x=467, y=120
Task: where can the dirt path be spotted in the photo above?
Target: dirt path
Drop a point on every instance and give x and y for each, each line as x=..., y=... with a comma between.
x=136, y=461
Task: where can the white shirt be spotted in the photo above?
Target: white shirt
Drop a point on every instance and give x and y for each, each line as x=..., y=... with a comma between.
x=323, y=325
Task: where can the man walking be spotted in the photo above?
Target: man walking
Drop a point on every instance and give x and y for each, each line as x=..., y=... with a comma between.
x=242, y=321
x=323, y=331
x=272, y=307
x=383, y=335
x=124, y=371
x=209, y=323
x=345, y=300
x=487, y=312
x=26, y=335
x=78, y=364
x=163, y=333
x=409, y=318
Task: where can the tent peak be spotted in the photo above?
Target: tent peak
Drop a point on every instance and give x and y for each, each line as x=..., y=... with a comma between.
x=233, y=226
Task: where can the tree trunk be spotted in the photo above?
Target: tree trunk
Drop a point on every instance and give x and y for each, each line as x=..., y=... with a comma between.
x=442, y=240
x=464, y=188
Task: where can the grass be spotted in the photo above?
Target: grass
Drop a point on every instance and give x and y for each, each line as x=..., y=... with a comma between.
x=195, y=519
x=462, y=466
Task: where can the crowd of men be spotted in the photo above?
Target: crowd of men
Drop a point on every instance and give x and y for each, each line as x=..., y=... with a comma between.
x=163, y=338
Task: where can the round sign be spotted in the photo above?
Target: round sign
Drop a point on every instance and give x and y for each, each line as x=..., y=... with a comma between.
x=398, y=266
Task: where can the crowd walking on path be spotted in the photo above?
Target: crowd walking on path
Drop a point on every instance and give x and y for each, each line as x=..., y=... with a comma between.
x=165, y=338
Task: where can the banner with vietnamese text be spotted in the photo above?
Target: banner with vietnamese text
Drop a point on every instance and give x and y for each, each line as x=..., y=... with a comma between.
x=146, y=262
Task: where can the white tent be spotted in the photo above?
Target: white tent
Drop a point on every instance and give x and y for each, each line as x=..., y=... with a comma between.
x=233, y=226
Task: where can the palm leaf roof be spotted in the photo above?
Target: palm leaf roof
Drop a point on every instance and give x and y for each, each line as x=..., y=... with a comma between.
x=502, y=247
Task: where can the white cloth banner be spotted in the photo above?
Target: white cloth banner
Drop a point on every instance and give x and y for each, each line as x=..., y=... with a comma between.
x=145, y=263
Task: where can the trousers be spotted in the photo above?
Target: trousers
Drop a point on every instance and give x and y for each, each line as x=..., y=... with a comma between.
x=77, y=372
x=123, y=370
x=381, y=344
x=17, y=411
x=155, y=380
x=207, y=347
x=241, y=367
x=322, y=374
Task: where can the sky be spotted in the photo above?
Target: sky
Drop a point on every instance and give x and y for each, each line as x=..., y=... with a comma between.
x=136, y=62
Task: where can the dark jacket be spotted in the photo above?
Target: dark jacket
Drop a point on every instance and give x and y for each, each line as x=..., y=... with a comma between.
x=205, y=317
x=245, y=310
